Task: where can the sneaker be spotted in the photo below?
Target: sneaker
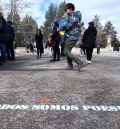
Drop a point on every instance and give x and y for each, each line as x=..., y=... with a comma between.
x=82, y=55
x=89, y=62
x=53, y=60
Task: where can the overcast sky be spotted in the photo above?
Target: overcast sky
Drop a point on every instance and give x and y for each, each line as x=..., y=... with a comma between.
x=108, y=10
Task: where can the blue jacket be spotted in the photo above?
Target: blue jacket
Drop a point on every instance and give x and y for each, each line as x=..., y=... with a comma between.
x=71, y=25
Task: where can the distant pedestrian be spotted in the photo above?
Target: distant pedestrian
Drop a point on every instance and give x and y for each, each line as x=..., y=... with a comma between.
x=98, y=48
x=2, y=39
x=10, y=40
x=31, y=47
x=27, y=47
x=89, y=38
x=39, y=43
x=49, y=45
x=56, y=42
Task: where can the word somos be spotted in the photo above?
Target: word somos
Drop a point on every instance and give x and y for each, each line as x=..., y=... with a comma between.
x=59, y=107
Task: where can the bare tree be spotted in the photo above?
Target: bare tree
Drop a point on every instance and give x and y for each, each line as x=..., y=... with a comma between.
x=16, y=7
x=1, y=9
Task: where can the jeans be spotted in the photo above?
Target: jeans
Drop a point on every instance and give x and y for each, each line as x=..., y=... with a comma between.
x=10, y=50
x=56, y=52
x=3, y=53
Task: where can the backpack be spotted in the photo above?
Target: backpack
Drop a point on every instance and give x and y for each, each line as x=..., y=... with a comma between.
x=78, y=15
x=1, y=25
x=63, y=21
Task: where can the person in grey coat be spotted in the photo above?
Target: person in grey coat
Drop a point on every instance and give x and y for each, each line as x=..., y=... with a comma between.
x=88, y=40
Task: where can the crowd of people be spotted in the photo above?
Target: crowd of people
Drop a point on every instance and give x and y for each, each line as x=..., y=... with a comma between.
x=65, y=33
x=7, y=37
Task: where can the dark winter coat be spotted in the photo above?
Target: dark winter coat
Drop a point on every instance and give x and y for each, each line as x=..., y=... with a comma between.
x=39, y=40
x=10, y=32
x=3, y=31
x=89, y=37
x=55, y=36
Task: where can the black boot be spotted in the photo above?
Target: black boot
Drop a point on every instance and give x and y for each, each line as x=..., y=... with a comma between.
x=58, y=59
x=37, y=56
x=70, y=67
x=53, y=60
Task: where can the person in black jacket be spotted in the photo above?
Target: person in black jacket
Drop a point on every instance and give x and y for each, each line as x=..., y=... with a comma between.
x=89, y=38
x=39, y=42
x=56, y=41
x=10, y=40
x=2, y=39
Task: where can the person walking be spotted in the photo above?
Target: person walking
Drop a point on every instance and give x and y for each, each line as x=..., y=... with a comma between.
x=56, y=42
x=48, y=46
x=88, y=40
x=10, y=40
x=98, y=47
x=70, y=23
x=39, y=43
x=3, y=39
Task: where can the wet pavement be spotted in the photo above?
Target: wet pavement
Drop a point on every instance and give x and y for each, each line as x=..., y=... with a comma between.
x=37, y=94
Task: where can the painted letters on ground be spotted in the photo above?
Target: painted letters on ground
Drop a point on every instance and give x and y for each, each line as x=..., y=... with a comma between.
x=59, y=107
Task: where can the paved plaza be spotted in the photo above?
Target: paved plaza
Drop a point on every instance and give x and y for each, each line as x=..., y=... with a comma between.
x=37, y=94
